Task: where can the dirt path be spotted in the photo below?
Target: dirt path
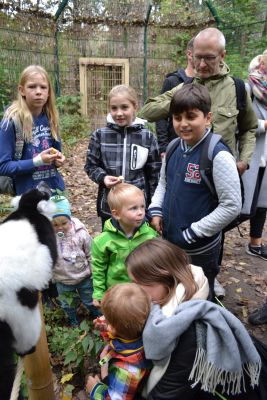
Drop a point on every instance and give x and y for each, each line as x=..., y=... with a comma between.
x=244, y=277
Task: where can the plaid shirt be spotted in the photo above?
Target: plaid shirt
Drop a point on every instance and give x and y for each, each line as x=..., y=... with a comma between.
x=131, y=152
x=127, y=368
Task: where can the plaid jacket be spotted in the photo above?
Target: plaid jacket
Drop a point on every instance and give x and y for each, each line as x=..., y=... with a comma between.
x=127, y=368
x=131, y=152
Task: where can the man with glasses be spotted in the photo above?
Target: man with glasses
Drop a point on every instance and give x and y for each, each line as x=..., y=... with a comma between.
x=211, y=71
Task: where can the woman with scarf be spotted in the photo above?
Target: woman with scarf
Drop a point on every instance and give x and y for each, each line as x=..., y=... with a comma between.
x=255, y=179
x=200, y=351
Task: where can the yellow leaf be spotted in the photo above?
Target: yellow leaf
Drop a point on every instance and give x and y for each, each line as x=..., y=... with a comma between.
x=239, y=290
x=66, y=378
x=244, y=312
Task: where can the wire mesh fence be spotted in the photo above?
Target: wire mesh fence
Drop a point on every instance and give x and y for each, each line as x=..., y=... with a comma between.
x=56, y=34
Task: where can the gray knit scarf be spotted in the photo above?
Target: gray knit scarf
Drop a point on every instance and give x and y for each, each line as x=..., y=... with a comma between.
x=221, y=359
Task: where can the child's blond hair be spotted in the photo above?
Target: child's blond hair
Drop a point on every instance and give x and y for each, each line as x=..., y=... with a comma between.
x=125, y=90
x=20, y=110
x=126, y=307
x=121, y=192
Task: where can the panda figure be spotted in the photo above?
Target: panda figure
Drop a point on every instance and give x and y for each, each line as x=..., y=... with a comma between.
x=28, y=252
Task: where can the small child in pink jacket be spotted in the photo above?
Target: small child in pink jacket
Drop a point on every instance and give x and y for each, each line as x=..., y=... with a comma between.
x=72, y=273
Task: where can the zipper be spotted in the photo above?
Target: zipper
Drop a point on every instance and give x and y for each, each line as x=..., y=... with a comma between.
x=124, y=153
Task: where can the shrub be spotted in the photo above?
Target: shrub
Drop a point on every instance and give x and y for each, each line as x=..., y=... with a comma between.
x=73, y=125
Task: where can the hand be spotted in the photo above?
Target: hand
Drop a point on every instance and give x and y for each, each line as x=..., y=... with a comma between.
x=111, y=181
x=156, y=223
x=59, y=161
x=100, y=323
x=162, y=155
x=242, y=167
x=48, y=157
x=91, y=381
x=96, y=303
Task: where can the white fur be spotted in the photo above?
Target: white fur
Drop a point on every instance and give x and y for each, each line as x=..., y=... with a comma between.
x=15, y=202
x=24, y=263
x=47, y=208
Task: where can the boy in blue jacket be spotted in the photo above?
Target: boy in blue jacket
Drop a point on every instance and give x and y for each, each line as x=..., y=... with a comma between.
x=182, y=201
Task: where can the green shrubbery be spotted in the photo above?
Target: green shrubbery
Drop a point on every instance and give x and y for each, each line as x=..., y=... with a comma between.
x=73, y=125
x=73, y=350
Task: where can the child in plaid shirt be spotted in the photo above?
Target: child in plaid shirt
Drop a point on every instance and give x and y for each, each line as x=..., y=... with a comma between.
x=125, y=307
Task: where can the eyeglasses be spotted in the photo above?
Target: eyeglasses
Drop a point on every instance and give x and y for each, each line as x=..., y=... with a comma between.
x=206, y=59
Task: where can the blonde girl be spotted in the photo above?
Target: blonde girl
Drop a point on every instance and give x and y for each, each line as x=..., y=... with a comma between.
x=123, y=149
x=34, y=119
x=199, y=349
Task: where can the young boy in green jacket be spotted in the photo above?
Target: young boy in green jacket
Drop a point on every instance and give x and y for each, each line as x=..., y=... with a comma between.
x=122, y=233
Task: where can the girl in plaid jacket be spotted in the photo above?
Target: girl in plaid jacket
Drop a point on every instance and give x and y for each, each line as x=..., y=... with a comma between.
x=124, y=149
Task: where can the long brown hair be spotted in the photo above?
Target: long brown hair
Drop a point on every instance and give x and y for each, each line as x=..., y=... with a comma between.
x=159, y=261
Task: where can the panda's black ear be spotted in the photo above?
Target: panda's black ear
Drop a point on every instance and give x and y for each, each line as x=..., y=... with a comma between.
x=44, y=188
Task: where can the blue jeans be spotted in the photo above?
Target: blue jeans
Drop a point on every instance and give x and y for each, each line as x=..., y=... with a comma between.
x=209, y=262
x=82, y=291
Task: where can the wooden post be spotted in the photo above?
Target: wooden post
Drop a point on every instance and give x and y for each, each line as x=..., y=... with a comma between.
x=37, y=368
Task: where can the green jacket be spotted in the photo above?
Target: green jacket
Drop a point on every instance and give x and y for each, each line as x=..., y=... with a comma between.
x=223, y=99
x=109, y=251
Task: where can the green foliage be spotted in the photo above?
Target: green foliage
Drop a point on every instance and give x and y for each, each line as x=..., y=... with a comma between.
x=24, y=387
x=180, y=40
x=73, y=345
x=73, y=125
x=6, y=90
x=71, y=298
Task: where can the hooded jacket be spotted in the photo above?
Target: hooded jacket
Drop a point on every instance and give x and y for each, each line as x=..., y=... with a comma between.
x=130, y=151
x=74, y=258
x=109, y=251
x=224, y=111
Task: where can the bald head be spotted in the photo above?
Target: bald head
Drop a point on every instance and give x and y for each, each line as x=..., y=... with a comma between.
x=208, y=52
x=212, y=35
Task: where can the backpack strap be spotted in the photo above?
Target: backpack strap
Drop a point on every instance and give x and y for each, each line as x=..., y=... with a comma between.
x=241, y=94
x=171, y=148
x=19, y=139
x=206, y=161
x=241, y=100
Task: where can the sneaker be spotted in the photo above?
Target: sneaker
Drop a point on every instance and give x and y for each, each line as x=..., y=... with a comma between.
x=258, y=251
x=259, y=316
x=219, y=290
